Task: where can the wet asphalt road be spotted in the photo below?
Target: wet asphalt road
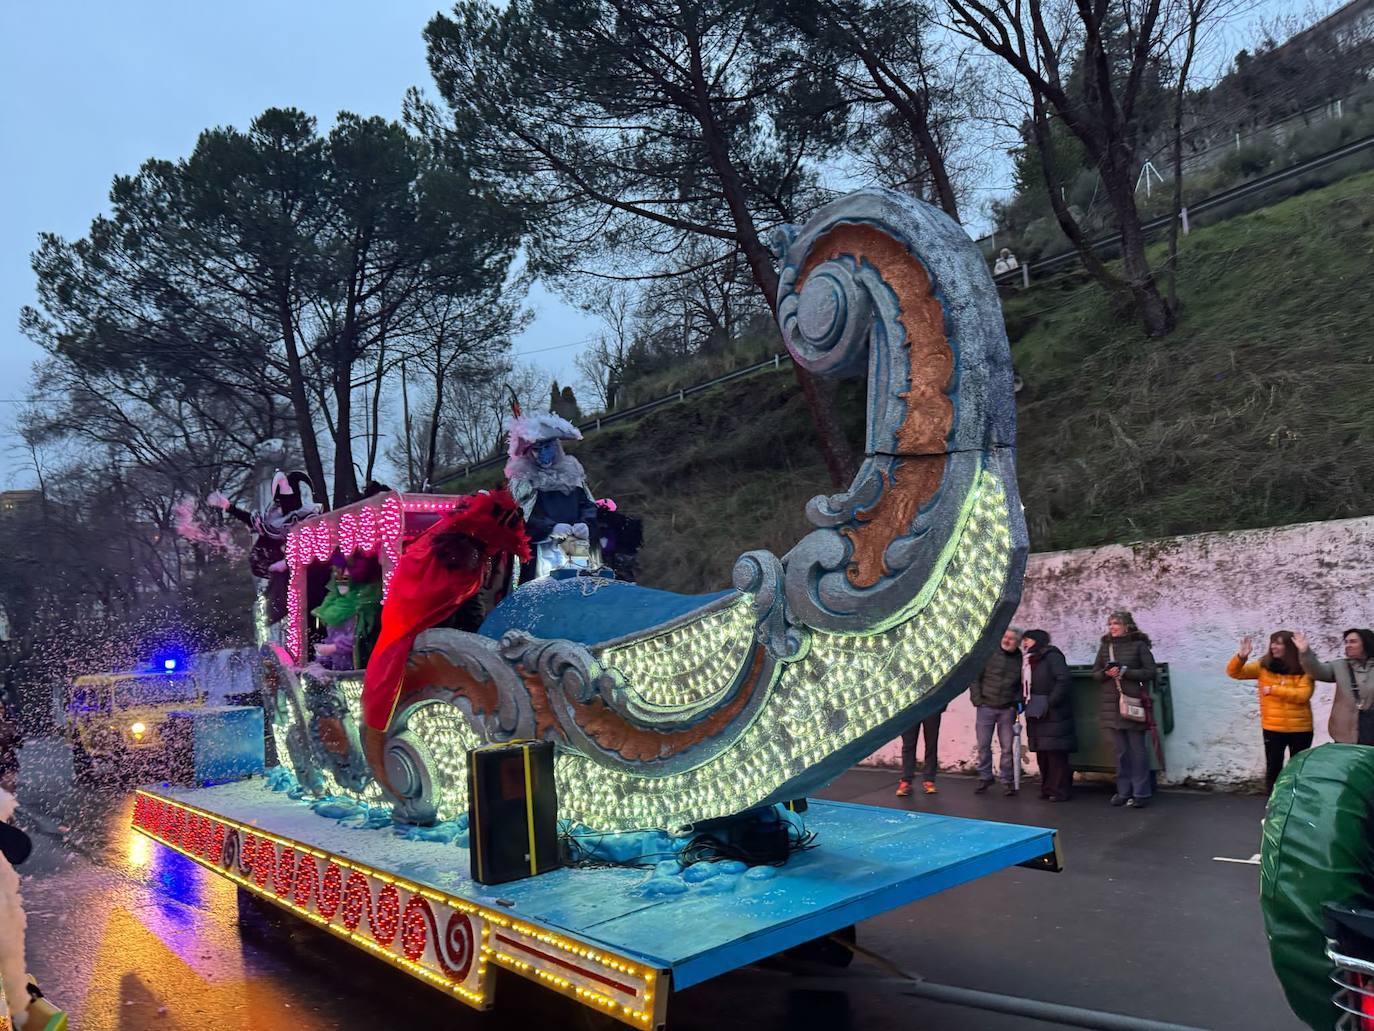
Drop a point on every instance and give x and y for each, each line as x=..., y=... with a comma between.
x=126, y=934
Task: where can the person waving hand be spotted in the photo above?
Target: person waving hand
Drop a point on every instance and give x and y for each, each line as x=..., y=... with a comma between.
x=1285, y=699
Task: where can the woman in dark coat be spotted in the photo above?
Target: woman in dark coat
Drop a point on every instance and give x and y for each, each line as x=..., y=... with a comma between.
x=1126, y=666
x=1049, y=714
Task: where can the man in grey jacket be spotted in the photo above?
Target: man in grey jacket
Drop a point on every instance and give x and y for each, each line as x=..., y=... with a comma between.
x=995, y=695
x=1352, y=710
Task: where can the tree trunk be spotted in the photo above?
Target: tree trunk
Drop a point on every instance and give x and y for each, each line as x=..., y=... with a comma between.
x=300, y=403
x=935, y=161
x=915, y=111
x=345, y=479
x=835, y=450
x=1194, y=12
x=1154, y=313
x=1137, y=292
x=405, y=422
x=433, y=446
x=375, y=420
x=1044, y=145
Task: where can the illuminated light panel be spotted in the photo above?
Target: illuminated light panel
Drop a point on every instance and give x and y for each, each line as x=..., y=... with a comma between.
x=448, y=737
x=348, y=533
x=688, y=666
x=846, y=686
x=279, y=734
x=846, y=681
x=352, y=690
x=613, y=984
x=391, y=525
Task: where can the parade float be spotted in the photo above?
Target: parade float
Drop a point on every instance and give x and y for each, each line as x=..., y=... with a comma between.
x=652, y=756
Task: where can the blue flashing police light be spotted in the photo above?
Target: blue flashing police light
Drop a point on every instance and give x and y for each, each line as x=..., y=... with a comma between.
x=169, y=664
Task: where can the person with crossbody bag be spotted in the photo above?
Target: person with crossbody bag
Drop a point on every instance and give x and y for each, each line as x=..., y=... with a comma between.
x=1352, y=709
x=1125, y=669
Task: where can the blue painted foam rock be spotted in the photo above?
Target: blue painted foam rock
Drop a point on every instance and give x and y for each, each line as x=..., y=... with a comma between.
x=658, y=886
x=668, y=868
x=622, y=847
x=371, y=818
x=279, y=778
x=718, y=886
x=732, y=866
x=699, y=872
x=336, y=808
x=761, y=873
x=445, y=832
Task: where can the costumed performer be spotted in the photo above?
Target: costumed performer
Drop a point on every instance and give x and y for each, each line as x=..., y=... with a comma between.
x=550, y=487
x=621, y=538
x=351, y=612
x=439, y=573
x=292, y=503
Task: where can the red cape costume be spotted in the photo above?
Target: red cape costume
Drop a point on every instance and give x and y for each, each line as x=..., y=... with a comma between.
x=425, y=590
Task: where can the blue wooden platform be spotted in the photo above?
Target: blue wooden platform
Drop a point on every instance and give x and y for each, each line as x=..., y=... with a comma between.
x=867, y=860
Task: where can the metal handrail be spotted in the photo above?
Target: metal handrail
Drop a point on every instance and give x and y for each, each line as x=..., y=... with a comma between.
x=1217, y=199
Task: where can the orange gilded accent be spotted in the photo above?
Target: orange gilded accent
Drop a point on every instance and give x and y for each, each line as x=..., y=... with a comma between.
x=614, y=733
x=604, y=725
x=333, y=735
x=922, y=437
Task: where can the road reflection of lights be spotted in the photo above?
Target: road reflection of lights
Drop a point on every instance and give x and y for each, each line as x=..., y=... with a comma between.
x=155, y=975
x=178, y=878
x=140, y=851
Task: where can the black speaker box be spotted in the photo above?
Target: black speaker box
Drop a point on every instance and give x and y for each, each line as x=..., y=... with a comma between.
x=512, y=811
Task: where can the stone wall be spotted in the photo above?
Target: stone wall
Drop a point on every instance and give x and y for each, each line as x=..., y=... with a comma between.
x=1196, y=596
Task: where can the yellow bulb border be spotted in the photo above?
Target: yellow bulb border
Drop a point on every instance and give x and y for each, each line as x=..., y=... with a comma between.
x=652, y=1014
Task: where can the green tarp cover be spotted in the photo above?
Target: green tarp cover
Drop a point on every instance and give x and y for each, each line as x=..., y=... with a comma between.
x=1316, y=849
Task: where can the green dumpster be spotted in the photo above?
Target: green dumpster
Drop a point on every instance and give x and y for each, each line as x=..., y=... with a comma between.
x=1095, y=750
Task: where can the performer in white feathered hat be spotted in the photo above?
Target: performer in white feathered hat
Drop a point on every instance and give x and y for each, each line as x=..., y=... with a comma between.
x=550, y=487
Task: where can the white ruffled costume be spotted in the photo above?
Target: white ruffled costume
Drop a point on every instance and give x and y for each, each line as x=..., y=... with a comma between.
x=13, y=971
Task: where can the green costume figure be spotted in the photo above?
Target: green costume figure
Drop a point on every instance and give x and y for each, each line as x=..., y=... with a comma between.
x=352, y=610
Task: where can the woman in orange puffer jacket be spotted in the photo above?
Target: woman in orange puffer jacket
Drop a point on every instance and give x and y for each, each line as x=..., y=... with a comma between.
x=1285, y=697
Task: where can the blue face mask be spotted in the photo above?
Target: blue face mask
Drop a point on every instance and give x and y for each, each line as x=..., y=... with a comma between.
x=546, y=453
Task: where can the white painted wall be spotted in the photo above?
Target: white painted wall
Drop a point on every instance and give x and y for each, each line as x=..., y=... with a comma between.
x=1196, y=597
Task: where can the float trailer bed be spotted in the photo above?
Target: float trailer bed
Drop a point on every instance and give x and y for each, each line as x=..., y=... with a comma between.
x=592, y=934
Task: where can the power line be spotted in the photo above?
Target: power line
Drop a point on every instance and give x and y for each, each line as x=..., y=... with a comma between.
x=555, y=347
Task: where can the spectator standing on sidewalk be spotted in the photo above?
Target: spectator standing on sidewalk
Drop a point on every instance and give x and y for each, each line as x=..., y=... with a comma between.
x=995, y=695
x=930, y=727
x=1352, y=710
x=1285, y=697
x=1049, y=715
x=1125, y=667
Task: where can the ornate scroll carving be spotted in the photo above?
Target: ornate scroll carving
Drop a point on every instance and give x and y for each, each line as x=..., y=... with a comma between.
x=877, y=280
x=760, y=574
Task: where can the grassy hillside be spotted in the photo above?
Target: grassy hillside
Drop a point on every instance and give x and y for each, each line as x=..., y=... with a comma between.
x=1257, y=411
